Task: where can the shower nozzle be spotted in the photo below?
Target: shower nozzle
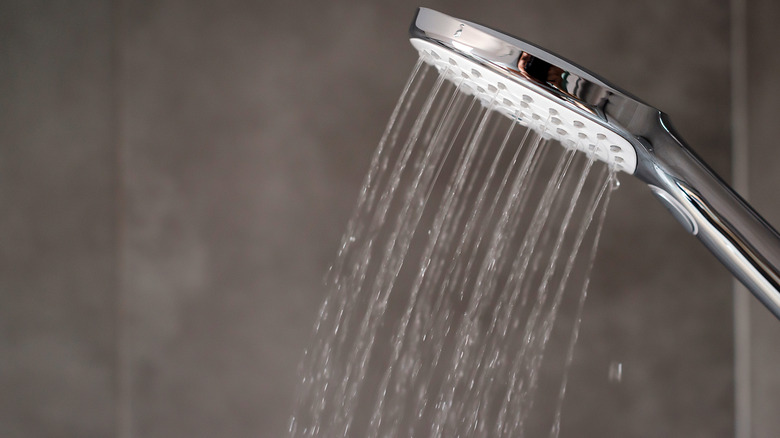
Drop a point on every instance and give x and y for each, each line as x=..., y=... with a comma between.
x=563, y=101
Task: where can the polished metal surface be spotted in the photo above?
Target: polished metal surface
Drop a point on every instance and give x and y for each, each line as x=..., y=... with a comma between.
x=700, y=200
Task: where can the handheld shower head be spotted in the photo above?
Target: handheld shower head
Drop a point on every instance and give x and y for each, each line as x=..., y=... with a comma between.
x=563, y=101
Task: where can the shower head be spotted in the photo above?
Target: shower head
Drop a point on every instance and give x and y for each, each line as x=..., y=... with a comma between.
x=563, y=101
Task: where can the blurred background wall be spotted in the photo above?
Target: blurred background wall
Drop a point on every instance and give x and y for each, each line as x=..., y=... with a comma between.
x=175, y=177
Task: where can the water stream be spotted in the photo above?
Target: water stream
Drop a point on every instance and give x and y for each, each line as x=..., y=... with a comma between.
x=469, y=235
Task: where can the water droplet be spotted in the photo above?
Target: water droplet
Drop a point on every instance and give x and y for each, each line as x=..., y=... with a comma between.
x=615, y=371
x=615, y=181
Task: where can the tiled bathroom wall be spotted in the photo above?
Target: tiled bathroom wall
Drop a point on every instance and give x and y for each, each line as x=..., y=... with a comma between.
x=58, y=220
x=175, y=177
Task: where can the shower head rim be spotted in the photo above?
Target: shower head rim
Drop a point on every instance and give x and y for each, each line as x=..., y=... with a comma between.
x=560, y=82
x=503, y=51
x=574, y=86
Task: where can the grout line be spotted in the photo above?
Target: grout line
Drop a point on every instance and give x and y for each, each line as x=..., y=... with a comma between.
x=740, y=172
x=123, y=405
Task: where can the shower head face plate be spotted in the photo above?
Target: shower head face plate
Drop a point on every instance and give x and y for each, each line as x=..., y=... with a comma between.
x=538, y=88
x=530, y=107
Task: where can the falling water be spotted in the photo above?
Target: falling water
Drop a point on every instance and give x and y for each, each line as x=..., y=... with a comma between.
x=469, y=235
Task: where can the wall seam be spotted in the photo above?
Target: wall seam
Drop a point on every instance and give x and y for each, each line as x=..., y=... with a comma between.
x=739, y=171
x=123, y=405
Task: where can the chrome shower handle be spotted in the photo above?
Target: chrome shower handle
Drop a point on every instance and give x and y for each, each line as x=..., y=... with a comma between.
x=708, y=208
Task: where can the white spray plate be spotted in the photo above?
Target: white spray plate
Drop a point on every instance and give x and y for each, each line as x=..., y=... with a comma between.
x=529, y=107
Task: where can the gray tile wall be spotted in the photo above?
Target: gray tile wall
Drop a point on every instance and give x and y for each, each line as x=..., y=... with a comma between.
x=223, y=144
x=58, y=222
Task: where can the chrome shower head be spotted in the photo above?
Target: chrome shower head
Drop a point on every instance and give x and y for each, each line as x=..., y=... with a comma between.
x=563, y=101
